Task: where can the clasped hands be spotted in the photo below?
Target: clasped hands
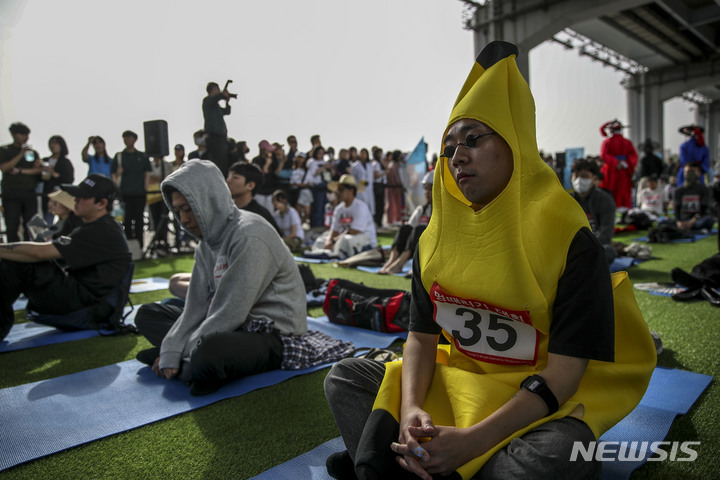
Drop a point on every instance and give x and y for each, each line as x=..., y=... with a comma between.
x=425, y=449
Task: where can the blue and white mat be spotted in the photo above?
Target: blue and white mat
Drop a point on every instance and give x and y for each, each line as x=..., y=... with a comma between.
x=31, y=334
x=671, y=392
x=49, y=416
x=150, y=284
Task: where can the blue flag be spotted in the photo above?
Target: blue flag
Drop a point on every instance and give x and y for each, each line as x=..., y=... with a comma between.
x=416, y=166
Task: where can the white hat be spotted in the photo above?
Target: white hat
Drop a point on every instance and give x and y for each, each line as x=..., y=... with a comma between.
x=63, y=198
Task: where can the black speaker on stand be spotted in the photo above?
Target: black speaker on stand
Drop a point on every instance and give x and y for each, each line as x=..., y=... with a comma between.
x=156, y=145
x=156, y=138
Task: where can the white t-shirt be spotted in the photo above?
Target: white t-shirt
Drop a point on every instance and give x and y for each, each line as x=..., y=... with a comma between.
x=653, y=200
x=286, y=220
x=377, y=167
x=297, y=177
x=313, y=177
x=421, y=215
x=357, y=217
x=364, y=175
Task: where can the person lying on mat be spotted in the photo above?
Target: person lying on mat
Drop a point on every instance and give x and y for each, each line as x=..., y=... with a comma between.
x=96, y=255
x=598, y=205
x=245, y=309
x=352, y=229
x=407, y=237
x=536, y=360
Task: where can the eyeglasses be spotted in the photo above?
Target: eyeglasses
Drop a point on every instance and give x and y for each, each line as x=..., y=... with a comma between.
x=470, y=142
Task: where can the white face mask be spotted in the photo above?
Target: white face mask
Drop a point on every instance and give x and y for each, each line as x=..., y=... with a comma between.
x=582, y=185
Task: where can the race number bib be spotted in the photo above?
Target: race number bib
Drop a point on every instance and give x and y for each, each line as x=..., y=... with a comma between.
x=485, y=332
x=690, y=204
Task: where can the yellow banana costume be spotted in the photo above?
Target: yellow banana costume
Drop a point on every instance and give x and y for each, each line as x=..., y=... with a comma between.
x=506, y=258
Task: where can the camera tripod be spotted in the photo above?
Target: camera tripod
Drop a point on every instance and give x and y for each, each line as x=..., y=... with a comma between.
x=159, y=246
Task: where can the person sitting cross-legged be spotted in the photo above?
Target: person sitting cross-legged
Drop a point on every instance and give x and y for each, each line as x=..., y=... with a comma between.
x=245, y=310
x=288, y=220
x=598, y=205
x=692, y=201
x=546, y=350
x=352, y=229
x=408, y=236
x=95, y=256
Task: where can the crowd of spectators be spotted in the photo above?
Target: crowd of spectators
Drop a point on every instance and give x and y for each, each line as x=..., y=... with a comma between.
x=301, y=176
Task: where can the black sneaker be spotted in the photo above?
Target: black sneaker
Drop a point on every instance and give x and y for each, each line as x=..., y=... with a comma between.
x=340, y=466
x=148, y=356
x=687, y=295
x=712, y=295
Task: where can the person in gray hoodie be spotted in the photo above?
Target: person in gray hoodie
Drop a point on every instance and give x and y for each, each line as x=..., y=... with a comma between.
x=245, y=311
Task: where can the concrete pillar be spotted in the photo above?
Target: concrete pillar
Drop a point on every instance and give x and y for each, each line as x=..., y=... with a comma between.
x=657, y=86
x=645, y=110
x=708, y=116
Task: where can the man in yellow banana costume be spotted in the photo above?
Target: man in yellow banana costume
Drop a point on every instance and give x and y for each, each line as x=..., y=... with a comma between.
x=545, y=347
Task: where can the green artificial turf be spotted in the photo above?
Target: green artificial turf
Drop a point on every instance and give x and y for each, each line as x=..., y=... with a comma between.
x=243, y=436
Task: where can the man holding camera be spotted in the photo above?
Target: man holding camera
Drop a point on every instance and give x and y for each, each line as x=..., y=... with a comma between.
x=20, y=166
x=215, y=128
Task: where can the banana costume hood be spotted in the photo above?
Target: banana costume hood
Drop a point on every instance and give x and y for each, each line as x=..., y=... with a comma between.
x=508, y=256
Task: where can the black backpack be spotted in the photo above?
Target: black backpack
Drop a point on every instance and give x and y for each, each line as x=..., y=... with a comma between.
x=666, y=232
x=357, y=305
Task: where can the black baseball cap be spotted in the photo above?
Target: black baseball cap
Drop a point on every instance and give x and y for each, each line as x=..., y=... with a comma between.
x=94, y=186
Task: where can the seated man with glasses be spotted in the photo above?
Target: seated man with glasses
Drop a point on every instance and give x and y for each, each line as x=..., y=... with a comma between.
x=542, y=356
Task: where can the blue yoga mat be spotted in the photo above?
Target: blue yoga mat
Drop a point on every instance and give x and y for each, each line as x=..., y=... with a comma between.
x=31, y=334
x=46, y=417
x=623, y=263
x=695, y=237
x=407, y=268
x=671, y=392
x=308, y=466
x=315, y=260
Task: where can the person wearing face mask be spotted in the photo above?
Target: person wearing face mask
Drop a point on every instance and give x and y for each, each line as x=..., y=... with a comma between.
x=199, y=140
x=692, y=201
x=598, y=205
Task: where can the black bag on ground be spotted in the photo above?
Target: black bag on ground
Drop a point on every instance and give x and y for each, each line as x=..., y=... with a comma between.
x=311, y=283
x=708, y=271
x=640, y=220
x=358, y=305
x=666, y=232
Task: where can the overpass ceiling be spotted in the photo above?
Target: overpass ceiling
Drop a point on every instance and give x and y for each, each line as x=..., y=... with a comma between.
x=662, y=34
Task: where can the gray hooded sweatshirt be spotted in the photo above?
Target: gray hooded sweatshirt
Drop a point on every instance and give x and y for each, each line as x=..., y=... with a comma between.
x=243, y=271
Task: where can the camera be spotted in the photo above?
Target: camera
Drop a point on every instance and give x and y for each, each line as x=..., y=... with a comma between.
x=231, y=95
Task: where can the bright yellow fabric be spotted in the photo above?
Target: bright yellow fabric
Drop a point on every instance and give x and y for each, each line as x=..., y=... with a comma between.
x=512, y=253
x=153, y=197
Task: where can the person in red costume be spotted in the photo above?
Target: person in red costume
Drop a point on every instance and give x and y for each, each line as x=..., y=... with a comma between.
x=619, y=161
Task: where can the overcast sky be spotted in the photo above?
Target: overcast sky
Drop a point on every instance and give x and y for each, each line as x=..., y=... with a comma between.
x=362, y=73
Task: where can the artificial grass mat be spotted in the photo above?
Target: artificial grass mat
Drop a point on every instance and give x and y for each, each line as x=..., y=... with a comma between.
x=243, y=436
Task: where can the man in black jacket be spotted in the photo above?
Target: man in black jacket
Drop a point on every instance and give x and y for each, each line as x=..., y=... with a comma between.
x=215, y=128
